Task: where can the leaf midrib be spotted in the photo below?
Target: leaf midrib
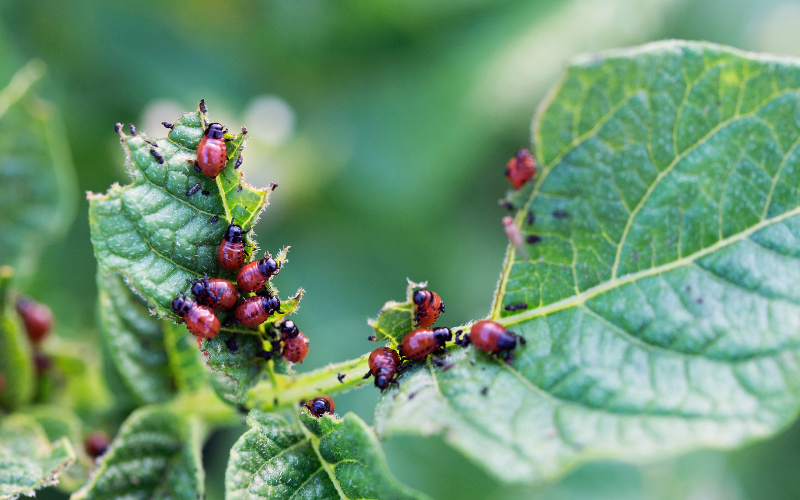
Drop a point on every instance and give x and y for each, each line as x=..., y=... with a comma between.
x=592, y=292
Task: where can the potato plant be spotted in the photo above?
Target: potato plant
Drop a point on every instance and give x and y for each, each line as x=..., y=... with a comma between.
x=651, y=273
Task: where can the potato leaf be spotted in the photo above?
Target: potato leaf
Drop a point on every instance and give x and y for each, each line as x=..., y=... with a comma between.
x=28, y=460
x=285, y=456
x=663, y=309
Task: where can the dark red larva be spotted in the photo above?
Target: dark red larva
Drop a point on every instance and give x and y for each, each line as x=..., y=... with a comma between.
x=521, y=168
x=295, y=349
x=383, y=365
x=200, y=320
x=37, y=318
x=255, y=310
x=419, y=343
x=212, y=153
x=96, y=444
x=231, y=253
x=492, y=337
x=427, y=307
x=320, y=405
x=254, y=275
x=215, y=292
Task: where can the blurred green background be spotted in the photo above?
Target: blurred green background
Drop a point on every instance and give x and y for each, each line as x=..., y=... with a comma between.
x=387, y=125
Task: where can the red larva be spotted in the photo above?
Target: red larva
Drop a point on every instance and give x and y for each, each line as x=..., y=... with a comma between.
x=384, y=363
x=37, y=318
x=212, y=153
x=255, y=310
x=295, y=349
x=492, y=337
x=254, y=275
x=427, y=307
x=96, y=444
x=201, y=321
x=320, y=405
x=215, y=292
x=419, y=343
x=521, y=168
x=231, y=252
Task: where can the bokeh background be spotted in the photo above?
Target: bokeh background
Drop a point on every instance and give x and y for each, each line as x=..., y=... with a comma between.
x=387, y=125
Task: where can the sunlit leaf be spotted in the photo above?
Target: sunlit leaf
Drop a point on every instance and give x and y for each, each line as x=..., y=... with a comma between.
x=662, y=307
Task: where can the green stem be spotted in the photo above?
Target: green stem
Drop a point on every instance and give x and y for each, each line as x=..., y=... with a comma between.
x=286, y=390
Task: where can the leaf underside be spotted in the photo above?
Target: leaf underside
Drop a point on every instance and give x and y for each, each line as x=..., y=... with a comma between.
x=156, y=454
x=662, y=308
x=28, y=461
x=284, y=456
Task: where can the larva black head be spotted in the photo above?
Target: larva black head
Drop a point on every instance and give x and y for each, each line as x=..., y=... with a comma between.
x=420, y=296
x=198, y=288
x=320, y=405
x=289, y=329
x=181, y=305
x=442, y=335
x=507, y=341
x=215, y=131
x=234, y=233
x=271, y=304
x=268, y=267
x=382, y=382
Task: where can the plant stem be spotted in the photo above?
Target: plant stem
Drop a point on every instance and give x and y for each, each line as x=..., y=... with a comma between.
x=286, y=390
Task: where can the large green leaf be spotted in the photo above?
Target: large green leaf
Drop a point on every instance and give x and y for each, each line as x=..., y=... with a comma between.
x=28, y=461
x=16, y=362
x=135, y=341
x=283, y=456
x=156, y=236
x=37, y=181
x=155, y=455
x=663, y=307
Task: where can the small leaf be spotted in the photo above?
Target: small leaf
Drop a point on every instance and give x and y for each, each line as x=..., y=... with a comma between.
x=155, y=235
x=662, y=307
x=60, y=422
x=16, y=362
x=395, y=319
x=155, y=455
x=281, y=457
x=28, y=461
x=37, y=179
x=135, y=341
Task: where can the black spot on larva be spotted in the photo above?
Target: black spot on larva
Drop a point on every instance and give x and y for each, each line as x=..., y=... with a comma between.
x=533, y=239
x=192, y=190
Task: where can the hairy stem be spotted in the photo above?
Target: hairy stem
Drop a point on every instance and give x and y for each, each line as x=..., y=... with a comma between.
x=286, y=390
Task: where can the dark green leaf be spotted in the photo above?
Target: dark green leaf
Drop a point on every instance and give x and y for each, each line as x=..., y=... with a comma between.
x=37, y=179
x=281, y=457
x=662, y=311
x=155, y=235
x=156, y=455
x=28, y=461
x=232, y=354
x=16, y=363
x=135, y=341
